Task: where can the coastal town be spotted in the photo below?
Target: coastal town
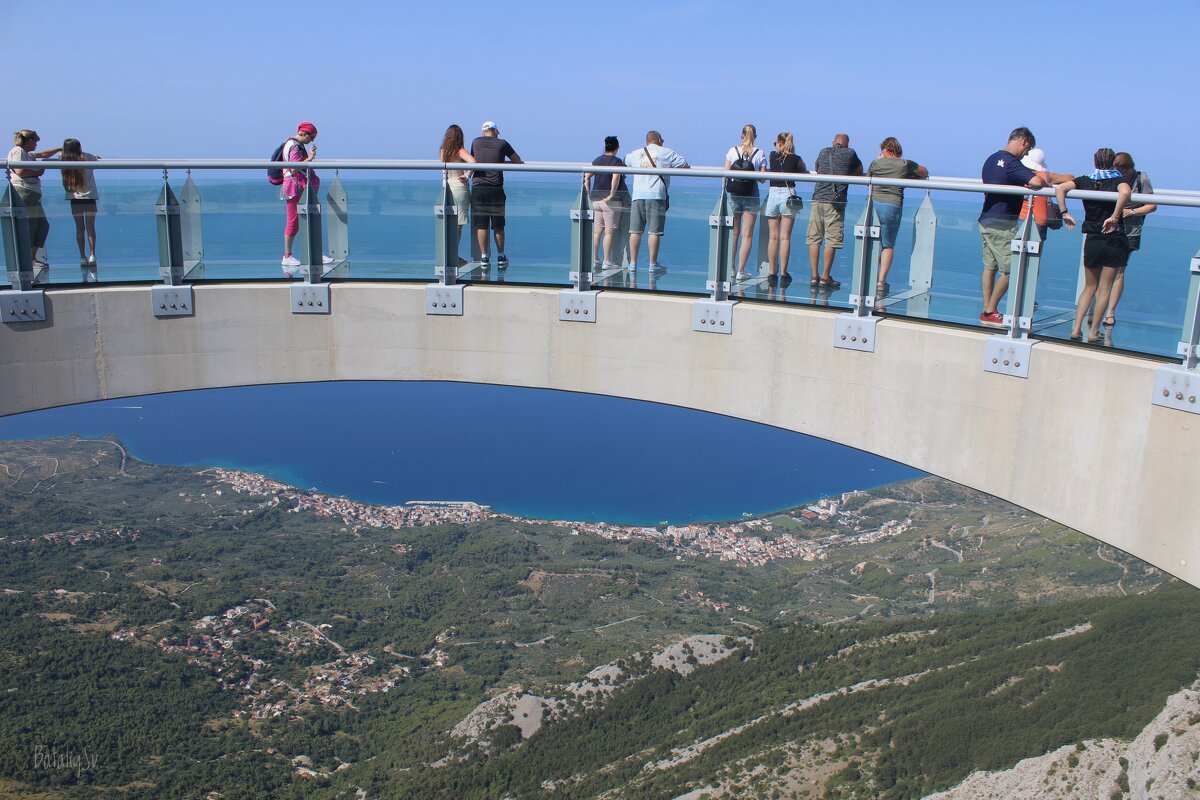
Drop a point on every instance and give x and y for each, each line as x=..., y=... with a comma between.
x=751, y=542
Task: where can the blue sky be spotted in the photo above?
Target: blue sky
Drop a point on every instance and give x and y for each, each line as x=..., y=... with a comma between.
x=382, y=80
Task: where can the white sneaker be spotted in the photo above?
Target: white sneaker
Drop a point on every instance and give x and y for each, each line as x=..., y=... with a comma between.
x=92, y=260
x=742, y=276
x=632, y=266
x=290, y=261
x=483, y=261
x=659, y=268
x=83, y=262
x=610, y=265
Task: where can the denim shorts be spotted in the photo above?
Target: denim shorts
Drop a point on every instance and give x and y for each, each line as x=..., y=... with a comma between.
x=889, y=222
x=743, y=204
x=777, y=203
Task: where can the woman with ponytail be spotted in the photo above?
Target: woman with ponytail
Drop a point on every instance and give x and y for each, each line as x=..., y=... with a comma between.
x=80, y=185
x=781, y=208
x=743, y=195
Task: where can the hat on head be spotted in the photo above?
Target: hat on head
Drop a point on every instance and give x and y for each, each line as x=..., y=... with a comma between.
x=1035, y=160
x=489, y=126
x=306, y=127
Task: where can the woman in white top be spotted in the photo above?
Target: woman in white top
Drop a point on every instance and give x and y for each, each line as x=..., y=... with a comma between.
x=743, y=195
x=80, y=185
x=454, y=151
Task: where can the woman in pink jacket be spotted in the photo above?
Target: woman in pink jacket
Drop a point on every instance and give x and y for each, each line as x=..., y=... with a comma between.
x=295, y=150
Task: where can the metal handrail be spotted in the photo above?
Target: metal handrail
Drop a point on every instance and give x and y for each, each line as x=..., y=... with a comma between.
x=1165, y=197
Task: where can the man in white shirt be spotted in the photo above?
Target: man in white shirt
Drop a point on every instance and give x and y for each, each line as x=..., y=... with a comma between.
x=651, y=197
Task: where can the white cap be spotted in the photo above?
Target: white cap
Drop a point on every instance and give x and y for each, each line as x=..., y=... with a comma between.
x=488, y=126
x=1035, y=160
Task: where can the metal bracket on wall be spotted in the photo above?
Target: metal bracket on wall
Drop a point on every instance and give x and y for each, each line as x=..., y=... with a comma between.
x=445, y=300
x=310, y=298
x=18, y=306
x=713, y=316
x=1178, y=388
x=1005, y=355
x=852, y=332
x=172, y=301
x=577, y=306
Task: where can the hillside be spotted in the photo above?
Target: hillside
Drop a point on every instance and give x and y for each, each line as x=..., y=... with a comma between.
x=312, y=646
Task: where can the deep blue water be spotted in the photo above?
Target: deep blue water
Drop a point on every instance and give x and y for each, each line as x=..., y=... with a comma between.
x=532, y=452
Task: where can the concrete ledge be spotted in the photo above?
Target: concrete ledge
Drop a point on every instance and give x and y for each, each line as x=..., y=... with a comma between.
x=1079, y=441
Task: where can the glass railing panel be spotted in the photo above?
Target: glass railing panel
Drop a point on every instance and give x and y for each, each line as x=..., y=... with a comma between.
x=1154, y=287
x=536, y=231
x=125, y=231
x=390, y=223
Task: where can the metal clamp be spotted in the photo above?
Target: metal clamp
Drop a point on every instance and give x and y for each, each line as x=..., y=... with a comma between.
x=854, y=332
x=1032, y=246
x=713, y=316
x=1005, y=355
x=862, y=231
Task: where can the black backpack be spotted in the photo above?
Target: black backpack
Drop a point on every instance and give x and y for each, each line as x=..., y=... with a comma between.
x=744, y=163
x=275, y=176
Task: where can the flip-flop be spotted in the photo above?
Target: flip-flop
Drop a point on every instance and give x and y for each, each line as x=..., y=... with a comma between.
x=1110, y=321
x=1075, y=337
x=1094, y=337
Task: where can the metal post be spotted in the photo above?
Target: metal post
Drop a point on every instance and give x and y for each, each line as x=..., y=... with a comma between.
x=312, y=249
x=21, y=303
x=579, y=304
x=581, y=241
x=170, y=298
x=866, y=260
x=715, y=315
x=445, y=298
x=190, y=216
x=1178, y=387
x=720, y=223
x=1189, y=345
x=1022, y=292
x=170, y=235
x=17, y=252
x=1009, y=353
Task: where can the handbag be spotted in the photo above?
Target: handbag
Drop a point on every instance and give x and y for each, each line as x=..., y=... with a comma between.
x=1054, y=219
x=795, y=202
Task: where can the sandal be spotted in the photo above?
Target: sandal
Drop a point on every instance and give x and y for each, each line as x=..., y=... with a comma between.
x=1093, y=338
x=815, y=282
x=1110, y=321
x=830, y=283
x=1075, y=337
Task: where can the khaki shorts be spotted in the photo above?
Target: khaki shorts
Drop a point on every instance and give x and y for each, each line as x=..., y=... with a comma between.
x=826, y=221
x=606, y=215
x=997, y=247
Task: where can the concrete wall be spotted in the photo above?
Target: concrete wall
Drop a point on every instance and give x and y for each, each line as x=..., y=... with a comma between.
x=1078, y=441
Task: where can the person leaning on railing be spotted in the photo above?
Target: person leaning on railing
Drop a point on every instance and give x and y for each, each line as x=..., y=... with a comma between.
x=1134, y=218
x=998, y=220
x=1106, y=250
x=454, y=151
x=889, y=201
x=28, y=185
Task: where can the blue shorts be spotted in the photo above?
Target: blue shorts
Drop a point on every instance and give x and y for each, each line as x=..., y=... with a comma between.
x=889, y=222
x=743, y=204
x=777, y=203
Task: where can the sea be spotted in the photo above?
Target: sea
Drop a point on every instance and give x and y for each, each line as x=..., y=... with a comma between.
x=531, y=452
x=390, y=235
